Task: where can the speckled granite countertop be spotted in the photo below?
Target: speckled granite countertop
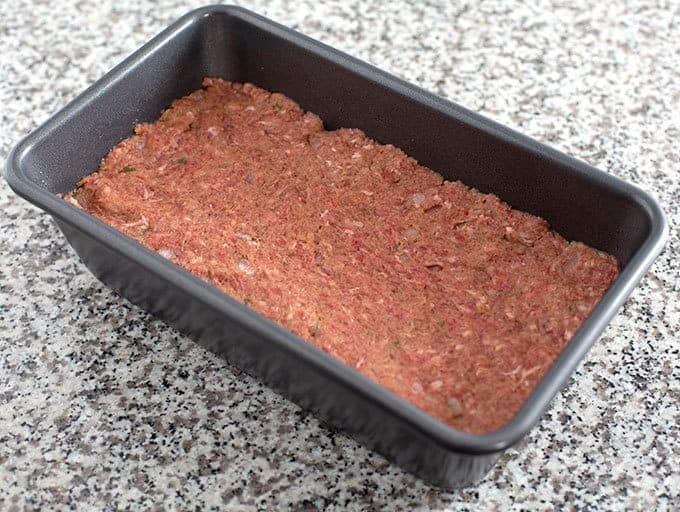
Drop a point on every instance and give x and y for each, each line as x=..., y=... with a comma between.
x=104, y=407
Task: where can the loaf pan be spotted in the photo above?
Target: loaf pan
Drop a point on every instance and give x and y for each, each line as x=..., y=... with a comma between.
x=580, y=202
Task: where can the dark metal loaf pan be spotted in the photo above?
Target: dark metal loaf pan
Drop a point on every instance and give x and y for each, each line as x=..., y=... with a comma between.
x=580, y=202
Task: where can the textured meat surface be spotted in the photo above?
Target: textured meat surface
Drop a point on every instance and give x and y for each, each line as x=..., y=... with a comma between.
x=444, y=295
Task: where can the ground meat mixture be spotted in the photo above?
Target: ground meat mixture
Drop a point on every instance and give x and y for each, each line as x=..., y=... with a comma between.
x=442, y=294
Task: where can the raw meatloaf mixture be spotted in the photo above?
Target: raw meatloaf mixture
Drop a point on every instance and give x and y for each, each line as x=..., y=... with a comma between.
x=444, y=295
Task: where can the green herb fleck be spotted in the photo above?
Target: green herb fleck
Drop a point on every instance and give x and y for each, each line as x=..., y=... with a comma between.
x=480, y=268
x=128, y=168
x=144, y=231
x=278, y=105
x=442, y=324
x=247, y=301
x=181, y=160
x=396, y=343
x=232, y=205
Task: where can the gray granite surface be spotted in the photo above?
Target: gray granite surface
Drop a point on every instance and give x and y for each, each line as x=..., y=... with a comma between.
x=104, y=407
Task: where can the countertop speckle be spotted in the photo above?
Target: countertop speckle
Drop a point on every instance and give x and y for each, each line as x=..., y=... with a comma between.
x=105, y=407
